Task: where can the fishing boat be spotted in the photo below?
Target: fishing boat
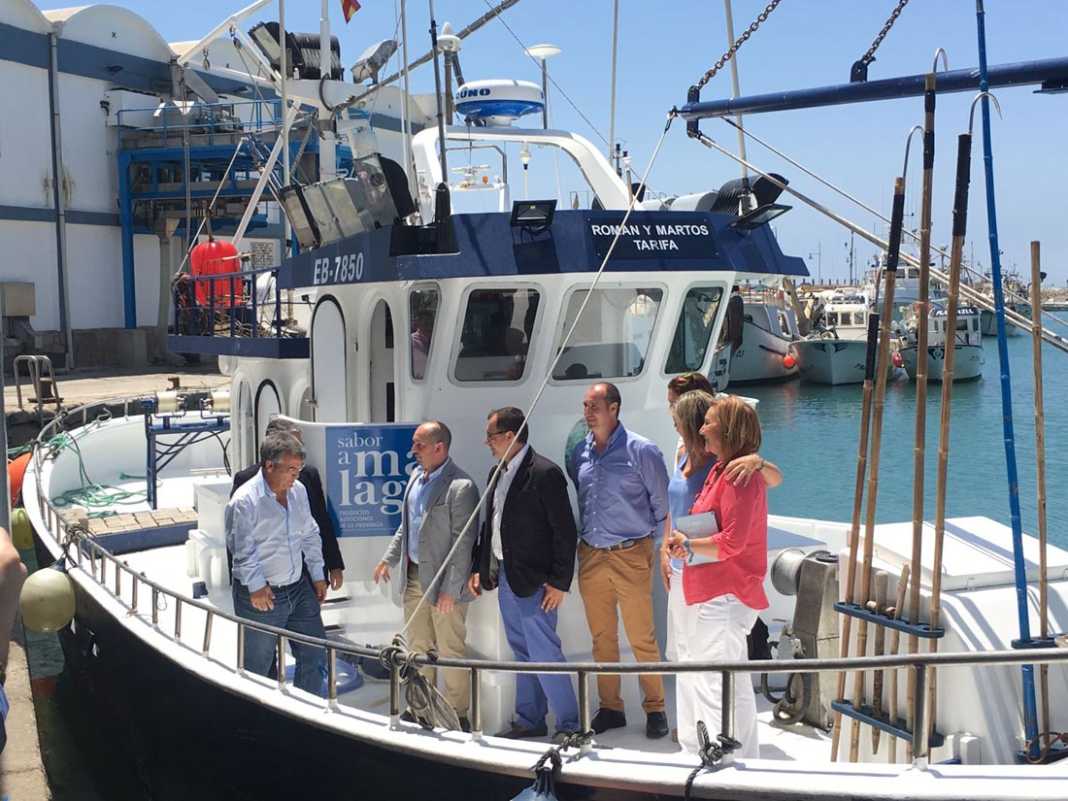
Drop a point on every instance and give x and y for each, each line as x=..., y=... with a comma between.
x=967, y=341
x=397, y=308
x=835, y=352
x=764, y=352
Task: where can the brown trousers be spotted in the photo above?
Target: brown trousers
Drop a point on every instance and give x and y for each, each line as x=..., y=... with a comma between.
x=623, y=580
x=445, y=633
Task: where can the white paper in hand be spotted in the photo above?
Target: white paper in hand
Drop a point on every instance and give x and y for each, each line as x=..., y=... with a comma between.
x=697, y=526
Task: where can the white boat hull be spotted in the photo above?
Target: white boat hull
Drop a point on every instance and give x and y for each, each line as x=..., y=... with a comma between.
x=190, y=688
x=967, y=366
x=761, y=357
x=990, y=324
x=831, y=361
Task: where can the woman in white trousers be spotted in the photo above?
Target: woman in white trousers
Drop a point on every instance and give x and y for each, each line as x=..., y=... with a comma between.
x=722, y=583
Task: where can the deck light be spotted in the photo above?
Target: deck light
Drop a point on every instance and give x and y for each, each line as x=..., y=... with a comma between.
x=759, y=216
x=534, y=216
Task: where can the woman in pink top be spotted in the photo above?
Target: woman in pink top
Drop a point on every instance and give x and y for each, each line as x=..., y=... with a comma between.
x=723, y=579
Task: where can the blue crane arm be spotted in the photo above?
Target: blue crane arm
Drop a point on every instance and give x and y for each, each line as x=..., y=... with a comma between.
x=1050, y=74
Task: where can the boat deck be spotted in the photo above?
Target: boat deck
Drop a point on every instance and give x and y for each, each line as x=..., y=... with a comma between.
x=167, y=566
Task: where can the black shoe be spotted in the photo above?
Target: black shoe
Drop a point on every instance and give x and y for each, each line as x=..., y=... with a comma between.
x=656, y=725
x=517, y=732
x=606, y=719
x=465, y=724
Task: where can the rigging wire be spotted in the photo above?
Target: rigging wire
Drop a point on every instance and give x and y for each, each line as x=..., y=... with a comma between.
x=552, y=80
x=548, y=375
x=864, y=205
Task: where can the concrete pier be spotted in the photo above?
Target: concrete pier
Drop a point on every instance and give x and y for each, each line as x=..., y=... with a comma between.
x=22, y=771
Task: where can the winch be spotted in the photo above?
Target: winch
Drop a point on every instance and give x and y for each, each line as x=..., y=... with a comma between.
x=813, y=634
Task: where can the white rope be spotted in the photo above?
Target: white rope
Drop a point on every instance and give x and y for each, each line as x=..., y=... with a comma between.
x=545, y=381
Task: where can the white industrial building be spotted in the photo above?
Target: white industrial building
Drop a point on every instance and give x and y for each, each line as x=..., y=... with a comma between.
x=78, y=88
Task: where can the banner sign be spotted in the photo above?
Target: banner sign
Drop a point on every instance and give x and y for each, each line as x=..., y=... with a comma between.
x=367, y=469
x=653, y=235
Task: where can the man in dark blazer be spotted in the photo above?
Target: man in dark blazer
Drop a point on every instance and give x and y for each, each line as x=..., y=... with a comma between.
x=309, y=477
x=527, y=550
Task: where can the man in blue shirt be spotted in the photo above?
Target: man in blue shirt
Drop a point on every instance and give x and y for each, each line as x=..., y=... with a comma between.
x=272, y=535
x=622, y=491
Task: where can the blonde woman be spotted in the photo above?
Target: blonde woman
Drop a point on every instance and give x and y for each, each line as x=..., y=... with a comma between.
x=723, y=594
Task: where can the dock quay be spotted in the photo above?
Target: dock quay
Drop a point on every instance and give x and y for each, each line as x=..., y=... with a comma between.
x=77, y=387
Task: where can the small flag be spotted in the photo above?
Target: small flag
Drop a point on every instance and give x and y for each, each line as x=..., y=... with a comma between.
x=348, y=8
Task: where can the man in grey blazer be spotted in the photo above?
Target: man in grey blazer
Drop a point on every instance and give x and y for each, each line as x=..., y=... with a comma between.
x=438, y=505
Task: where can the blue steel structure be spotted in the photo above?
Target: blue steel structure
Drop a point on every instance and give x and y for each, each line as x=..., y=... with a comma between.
x=141, y=167
x=1050, y=74
x=189, y=427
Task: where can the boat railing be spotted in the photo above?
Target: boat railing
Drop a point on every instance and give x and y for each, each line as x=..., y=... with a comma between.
x=243, y=116
x=85, y=554
x=230, y=304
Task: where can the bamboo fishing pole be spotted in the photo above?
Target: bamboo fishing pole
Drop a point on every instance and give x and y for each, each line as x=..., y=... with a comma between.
x=960, y=224
x=919, y=450
x=854, y=531
x=893, y=255
x=895, y=640
x=1040, y=459
x=879, y=606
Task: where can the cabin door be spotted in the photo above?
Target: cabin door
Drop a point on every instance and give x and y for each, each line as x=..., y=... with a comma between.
x=383, y=382
x=329, y=351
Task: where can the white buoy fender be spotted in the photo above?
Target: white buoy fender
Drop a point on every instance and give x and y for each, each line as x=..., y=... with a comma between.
x=47, y=601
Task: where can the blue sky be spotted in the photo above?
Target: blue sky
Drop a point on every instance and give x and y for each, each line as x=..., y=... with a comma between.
x=665, y=46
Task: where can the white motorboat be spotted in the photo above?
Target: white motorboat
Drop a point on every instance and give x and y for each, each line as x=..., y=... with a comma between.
x=836, y=353
x=967, y=342
x=764, y=352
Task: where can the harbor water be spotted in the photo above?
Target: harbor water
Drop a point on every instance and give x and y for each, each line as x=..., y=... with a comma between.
x=810, y=431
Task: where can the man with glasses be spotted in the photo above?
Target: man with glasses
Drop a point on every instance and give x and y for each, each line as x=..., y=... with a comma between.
x=527, y=549
x=313, y=483
x=436, y=536
x=272, y=535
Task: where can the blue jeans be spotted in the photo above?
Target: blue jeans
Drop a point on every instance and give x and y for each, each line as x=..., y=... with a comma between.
x=531, y=633
x=297, y=609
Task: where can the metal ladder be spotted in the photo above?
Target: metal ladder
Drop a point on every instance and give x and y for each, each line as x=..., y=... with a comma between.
x=43, y=380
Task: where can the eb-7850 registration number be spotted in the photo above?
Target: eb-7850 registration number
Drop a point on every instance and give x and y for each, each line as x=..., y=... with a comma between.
x=338, y=270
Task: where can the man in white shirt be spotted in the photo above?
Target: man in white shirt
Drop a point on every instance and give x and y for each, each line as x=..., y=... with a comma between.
x=272, y=535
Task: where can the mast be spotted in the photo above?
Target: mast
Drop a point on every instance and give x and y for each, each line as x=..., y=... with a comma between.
x=1019, y=568
x=735, y=92
x=612, y=96
x=406, y=121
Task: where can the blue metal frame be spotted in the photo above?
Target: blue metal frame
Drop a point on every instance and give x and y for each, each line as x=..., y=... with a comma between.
x=1019, y=566
x=866, y=714
x=191, y=428
x=1051, y=73
x=211, y=158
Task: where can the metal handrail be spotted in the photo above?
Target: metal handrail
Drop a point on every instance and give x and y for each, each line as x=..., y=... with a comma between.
x=396, y=656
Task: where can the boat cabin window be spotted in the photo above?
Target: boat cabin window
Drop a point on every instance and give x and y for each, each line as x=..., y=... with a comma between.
x=694, y=330
x=495, y=337
x=845, y=318
x=613, y=334
x=962, y=324
x=423, y=313
x=832, y=318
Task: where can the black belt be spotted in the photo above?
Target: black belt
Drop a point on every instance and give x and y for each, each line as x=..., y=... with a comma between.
x=619, y=546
